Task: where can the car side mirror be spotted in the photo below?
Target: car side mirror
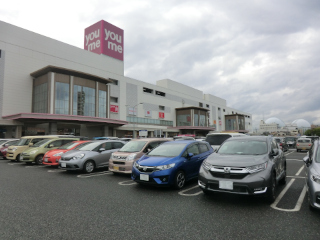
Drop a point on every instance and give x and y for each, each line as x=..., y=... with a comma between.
x=30, y=144
x=190, y=155
x=307, y=160
x=101, y=149
x=275, y=152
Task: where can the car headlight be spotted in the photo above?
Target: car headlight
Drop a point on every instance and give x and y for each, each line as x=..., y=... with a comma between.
x=315, y=178
x=33, y=152
x=58, y=154
x=136, y=165
x=131, y=157
x=206, y=165
x=165, y=167
x=79, y=156
x=257, y=168
x=14, y=149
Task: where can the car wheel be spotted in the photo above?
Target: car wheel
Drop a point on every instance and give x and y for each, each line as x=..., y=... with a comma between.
x=179, y=180
x=271, y=192
x=88, y=166
x=38, y=159
x=283, y=180
x=17, y=158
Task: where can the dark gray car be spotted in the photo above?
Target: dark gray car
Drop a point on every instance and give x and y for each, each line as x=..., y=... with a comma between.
x=312, y=161
x=93, y=155
x=244, y=165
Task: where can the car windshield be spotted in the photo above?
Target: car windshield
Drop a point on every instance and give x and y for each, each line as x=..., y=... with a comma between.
x=277, y=139
x=168, y=150
x=90, y=146
x=23, y=142
x=248, y=147
x=40, y=143
x=2, y=141
x=12, y=143
x=133, y=146
x=217, y=139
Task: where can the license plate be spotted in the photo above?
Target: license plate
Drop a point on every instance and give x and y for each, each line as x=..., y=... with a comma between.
x=304, y=148
x=116, y=168
x=144, y=177
x=63, y=164
x=226, y=185
x=46, y=160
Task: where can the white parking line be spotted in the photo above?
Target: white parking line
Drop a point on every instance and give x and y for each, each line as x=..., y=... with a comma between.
x=98, y=174
x=300, y=170
x=300, y=160
x=15, y=163
x=127, y=183
x=182, y=193
x=300, y=199
x=56, y=170
x=36, y=166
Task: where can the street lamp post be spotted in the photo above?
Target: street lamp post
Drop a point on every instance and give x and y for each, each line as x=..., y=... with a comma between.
x=134, y=125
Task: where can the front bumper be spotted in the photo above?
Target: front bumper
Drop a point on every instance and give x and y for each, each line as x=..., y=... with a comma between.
x=27, y=158
x=51, y=161
x=71, y=164
x=250, y=184
x=156, y=178
x=120, y=166
x=314, y=193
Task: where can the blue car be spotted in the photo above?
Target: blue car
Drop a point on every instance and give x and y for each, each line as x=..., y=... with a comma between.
x=171, y=163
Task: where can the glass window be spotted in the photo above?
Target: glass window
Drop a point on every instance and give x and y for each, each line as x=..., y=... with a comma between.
x=117, y=145
x=102, y=104
x=168, y=150
x=193, y=149
x=203, y=147
x=84, y=101
x=40, y=98
x=56, y=143
x=244, y=147
x=183, y=117
x=62, y=98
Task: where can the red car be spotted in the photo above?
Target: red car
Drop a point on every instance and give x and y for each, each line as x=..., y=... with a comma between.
x=52, y=157
x=3, y=150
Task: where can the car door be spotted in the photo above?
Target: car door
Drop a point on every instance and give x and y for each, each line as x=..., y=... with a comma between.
x=102, y=158
x=191, y=164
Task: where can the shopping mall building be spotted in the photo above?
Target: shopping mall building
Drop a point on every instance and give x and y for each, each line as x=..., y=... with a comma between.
x=50, y=87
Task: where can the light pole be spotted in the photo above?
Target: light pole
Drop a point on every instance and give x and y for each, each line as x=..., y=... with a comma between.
x=134, y=125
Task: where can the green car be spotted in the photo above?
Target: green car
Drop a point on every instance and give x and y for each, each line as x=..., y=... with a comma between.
x=36, y=152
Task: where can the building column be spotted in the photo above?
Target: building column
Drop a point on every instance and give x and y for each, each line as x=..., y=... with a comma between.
x=52, y=88
x=71, y=95
x=106, y=131
x=18, y=132
x=53, y=129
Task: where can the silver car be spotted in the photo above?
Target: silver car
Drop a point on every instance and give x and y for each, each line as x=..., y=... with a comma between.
x=93, y=155
x=312, y=166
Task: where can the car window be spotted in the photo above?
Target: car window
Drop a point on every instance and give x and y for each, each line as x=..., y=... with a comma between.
x=35, y=140
x=311, y=152
x=151, y=146
x=67, y=141
x=117, y=145
x=274, y=144
x=203, y=147
x=193, y=149
x=56, y=143
x=107, y=146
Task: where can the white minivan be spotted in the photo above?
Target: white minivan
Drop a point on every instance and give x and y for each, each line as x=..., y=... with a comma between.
x=216, y=139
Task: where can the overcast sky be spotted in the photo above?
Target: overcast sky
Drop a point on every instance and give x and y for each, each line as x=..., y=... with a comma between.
x=262, y=56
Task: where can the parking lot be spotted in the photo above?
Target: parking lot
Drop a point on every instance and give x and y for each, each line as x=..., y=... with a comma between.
x=41, y=202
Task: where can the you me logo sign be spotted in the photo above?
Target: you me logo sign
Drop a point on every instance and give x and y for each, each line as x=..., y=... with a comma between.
x=104, y=38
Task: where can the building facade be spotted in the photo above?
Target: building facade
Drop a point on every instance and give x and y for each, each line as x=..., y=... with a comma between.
x=49, y=87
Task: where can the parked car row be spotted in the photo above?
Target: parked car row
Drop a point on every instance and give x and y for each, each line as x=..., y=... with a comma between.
x=241, y=165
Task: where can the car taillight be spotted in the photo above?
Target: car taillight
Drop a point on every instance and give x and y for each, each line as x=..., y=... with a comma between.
x=309, y=144
x=297, y=144
x=280, y=144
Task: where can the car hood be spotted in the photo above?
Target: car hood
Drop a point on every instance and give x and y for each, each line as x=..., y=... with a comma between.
x=156, y=161
x=236, y=160
x=315, y=168
x=72, y=153
x=54, y=151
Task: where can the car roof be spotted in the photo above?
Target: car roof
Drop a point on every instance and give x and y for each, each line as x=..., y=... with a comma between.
x=257, y=138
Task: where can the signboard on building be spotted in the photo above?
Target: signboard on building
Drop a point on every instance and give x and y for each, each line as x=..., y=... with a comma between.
x=114, y=108
x=148, y=113
x=132, y=111
x=143, y=133
x=161, y=114
x=104, y=38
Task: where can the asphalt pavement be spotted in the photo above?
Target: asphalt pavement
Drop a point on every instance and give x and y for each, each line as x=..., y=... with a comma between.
x=42, y=202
